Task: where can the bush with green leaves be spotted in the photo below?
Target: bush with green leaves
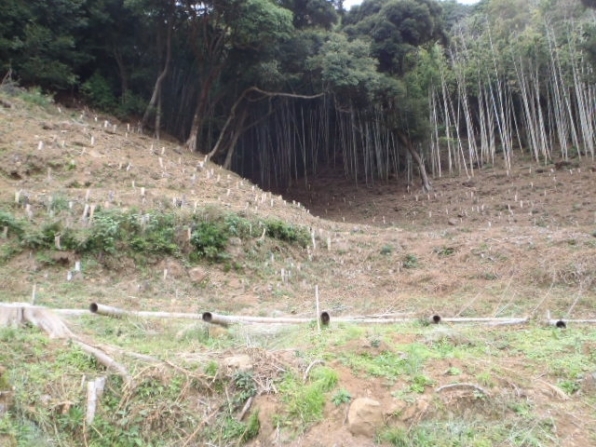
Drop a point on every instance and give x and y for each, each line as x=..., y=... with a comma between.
x=410, y=261
x=306, y=402
x=154, y=233
x=286, y=232
x=210, y=240
x=98, y=92
x=13, y=224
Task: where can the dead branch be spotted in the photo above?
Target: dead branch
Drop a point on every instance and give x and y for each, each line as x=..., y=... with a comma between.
x=307, y=372
x=245, y=408
x=463, y=385
x=105, y=360
x=199, y=428
x=555, y=389
x=136, y=355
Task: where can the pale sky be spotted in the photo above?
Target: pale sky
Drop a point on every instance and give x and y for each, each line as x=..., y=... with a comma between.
x=348, y=3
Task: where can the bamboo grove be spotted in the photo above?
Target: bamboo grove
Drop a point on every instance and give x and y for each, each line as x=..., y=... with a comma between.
x=284, y=90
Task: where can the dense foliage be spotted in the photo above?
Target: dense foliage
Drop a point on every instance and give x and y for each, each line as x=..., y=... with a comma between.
x=276, y=89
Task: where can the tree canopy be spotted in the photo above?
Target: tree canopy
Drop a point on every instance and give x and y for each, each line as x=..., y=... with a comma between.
x=277, y=89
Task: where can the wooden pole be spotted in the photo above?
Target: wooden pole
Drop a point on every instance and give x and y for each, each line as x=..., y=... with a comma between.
x=318, y=310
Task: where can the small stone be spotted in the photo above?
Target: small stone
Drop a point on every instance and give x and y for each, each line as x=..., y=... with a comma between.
x=240, y=362
x=453, y=222
x=236, y=241
x=589, y=383
x=416, y=410
x=197, y=275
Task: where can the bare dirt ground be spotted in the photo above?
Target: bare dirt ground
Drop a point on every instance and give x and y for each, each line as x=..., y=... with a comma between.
x=519, y=243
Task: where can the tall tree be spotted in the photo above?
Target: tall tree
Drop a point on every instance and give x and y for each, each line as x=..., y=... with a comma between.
x=398, y=30
x=40, y=41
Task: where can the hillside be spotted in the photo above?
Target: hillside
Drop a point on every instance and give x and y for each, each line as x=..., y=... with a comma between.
x=496, y=244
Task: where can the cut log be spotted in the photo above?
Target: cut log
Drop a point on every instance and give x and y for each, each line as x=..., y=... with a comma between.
x=17, y=314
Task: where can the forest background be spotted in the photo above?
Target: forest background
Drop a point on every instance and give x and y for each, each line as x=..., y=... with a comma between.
x=278, y=91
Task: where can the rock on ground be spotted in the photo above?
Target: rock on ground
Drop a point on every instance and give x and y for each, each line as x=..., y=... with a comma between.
x=365, y=417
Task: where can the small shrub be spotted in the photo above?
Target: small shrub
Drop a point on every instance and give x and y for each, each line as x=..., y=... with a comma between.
x=13, y=224
x=153, y=233
x=325, y=378
x=130, y=104
x=341, y=397
x=210, y=240
x=283, y=231
x=444, y=252
x=245, y=385
x=410, y=262
x=35, y=96
x=419, y=383
x=569, y=386
x=238, y=226
x=105, y=233
x=386, y=250
x=98, y=92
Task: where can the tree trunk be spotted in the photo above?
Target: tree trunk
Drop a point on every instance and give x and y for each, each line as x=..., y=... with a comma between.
x=201, y=110
x=122, y=70
x=416, y=156
x=157, y=88
x=238, y=130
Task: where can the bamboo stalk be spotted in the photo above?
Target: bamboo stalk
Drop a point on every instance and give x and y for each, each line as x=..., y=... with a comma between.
x=101, y=309
x=91, y=402
x=317, y=300
x=562, y=323
x=226, y=320
x=109, y=311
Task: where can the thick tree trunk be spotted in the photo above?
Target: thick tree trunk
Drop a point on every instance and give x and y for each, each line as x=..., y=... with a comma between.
x=416, y=156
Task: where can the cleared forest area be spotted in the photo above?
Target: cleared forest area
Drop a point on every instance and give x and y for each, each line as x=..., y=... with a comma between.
x=283, y=223
x=93, y=212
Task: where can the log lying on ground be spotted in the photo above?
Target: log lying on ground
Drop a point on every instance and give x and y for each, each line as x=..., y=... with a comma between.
x=325, y=317
x=17, y=314
x=562, y=323
x=226, y=320
x=110, y=311
x=488, y=321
